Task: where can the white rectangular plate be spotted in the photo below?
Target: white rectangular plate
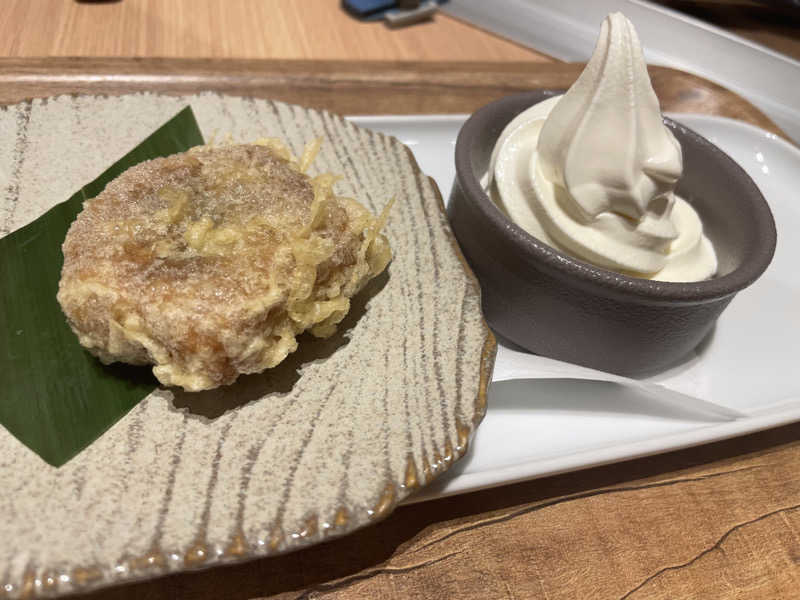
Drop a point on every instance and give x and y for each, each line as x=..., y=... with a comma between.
x=538, y=427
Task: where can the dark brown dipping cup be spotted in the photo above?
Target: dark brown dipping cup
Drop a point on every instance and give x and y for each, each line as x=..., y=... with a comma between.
x=561, y=307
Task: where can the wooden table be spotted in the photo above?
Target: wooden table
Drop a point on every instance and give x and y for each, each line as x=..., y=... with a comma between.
x=719, y=521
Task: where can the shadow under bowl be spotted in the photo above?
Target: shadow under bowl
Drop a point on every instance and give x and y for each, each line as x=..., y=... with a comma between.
x=555, y=305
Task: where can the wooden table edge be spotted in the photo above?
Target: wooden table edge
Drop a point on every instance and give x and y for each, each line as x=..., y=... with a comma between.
x=344, y=86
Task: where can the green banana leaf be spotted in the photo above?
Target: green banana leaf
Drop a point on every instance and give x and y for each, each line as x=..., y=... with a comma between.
x=56, y=398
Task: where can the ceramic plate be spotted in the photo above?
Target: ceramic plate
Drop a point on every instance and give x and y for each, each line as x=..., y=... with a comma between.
x=539, y=426
x=327, y=442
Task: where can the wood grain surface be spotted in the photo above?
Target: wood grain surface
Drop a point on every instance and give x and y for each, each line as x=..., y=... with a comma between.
x=719, y=521
x=278, y=29
x=346, y=87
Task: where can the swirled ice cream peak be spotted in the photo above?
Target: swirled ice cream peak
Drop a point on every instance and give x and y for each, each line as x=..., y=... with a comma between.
x=593, y=172
x=605, y=142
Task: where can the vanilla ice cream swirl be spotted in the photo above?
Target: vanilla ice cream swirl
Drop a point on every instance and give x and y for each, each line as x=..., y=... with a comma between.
x=593, y=172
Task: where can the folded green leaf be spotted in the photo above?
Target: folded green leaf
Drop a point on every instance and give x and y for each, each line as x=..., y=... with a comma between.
x=56, y=398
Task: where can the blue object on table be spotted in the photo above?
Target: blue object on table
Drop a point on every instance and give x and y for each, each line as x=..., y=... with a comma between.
x=374, y=10
x=368, y=9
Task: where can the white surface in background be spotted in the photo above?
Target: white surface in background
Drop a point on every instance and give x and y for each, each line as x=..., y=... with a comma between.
x=536, y=427
x=568, y=29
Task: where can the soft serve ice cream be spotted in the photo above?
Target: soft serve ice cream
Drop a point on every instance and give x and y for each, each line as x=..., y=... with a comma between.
x=593, y=172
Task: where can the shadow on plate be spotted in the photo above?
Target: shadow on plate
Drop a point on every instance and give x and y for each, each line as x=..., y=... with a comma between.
x=583, y=396
x=682, y=364
x=593, y=396
x=212, y=404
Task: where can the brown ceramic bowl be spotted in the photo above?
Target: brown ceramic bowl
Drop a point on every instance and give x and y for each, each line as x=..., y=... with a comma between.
x=559, y=306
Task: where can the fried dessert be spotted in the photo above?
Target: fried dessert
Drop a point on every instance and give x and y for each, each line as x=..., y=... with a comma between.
x=208, y=264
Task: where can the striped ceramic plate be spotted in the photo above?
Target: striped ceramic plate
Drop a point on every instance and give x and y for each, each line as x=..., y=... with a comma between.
x=326, y=443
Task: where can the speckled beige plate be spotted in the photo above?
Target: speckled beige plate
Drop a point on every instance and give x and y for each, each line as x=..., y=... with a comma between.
x=326, y=443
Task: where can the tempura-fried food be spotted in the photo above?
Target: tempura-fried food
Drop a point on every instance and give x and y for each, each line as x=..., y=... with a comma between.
x=208, y=264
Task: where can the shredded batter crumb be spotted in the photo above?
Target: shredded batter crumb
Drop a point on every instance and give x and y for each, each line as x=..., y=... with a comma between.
x=208, y=264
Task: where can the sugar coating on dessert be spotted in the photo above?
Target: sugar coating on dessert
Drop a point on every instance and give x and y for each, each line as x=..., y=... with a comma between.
x=209, y=263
